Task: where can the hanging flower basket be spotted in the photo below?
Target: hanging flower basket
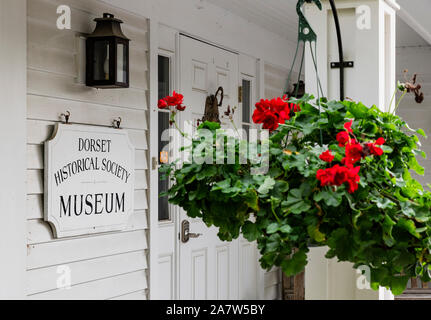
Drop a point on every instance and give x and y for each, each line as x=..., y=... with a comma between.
x=339, y=175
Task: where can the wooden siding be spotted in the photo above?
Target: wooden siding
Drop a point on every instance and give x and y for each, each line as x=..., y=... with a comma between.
x=416, y=60
x=104, y=266
x=276, y=79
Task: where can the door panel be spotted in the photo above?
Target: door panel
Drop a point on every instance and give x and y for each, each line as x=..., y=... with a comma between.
x=209, y=268
x=199, y=270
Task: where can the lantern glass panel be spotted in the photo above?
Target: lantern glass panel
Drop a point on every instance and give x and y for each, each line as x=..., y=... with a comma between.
x=101, y=60
x=121, y=63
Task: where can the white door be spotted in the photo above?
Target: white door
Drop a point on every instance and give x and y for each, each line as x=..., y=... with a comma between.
x=208, y=267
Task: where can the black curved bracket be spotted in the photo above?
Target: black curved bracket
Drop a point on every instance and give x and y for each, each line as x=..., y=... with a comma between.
x=341, y=64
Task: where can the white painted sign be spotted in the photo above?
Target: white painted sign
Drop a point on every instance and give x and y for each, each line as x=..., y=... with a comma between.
x=89, y=180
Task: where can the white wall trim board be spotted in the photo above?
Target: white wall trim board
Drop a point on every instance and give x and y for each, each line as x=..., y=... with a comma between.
x=13, y=62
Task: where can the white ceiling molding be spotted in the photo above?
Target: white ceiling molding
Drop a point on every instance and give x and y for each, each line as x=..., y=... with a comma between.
x=393, y=4
x=415, y=14
x=415, y=25
x=277, y=16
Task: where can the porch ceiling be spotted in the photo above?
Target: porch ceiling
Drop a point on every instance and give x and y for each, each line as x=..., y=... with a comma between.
x=277, y=16
x=415, y=13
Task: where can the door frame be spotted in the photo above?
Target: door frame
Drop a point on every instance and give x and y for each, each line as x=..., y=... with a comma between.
x=168, y=44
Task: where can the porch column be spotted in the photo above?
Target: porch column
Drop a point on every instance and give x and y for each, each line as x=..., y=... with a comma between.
x=368, y=33
x=13, y=89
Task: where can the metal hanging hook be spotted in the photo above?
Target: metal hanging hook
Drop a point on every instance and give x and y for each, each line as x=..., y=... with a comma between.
x=305, y=34
x=116, y=123
x=66, y=117
x=221, y=91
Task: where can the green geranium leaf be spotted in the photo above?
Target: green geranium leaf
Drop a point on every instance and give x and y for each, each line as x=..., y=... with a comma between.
x=272, y=228
x=409, y=226
x=383, y=203
x=387, y=149
x=414, y=164
x=207, y=172
x=331, y=198
x=286, y=229
x=267, y=185
x=250, y=231
x=210, y=125
x=388, y=225
x=421, y=132
x=398, y=285
x=315, y=234
x=222, y=185
x=295, y=264
x=251, y=199
x=296, y=203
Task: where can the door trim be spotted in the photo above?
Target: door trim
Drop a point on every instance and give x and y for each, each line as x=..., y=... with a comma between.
x=153, y=144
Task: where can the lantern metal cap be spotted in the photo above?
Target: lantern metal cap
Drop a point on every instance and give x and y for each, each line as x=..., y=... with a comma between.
x=108, y=26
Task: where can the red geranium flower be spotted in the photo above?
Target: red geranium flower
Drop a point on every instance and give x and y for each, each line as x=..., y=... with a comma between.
x=341, y=174
x=327, y=156
x=348, y=126
x=273, y=112
x=180, y=107
x=281, y=108
x=337, y=175
x=343, y=138
x=162, y=104
x=374, y=149
x=326, y=177
x=354, y=153
x=175, y=99
x=295, y=107
x=270, y=121
x=380, y=141
x=353, y=179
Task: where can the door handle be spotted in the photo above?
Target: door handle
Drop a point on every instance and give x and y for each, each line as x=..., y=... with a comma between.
x=194, y=235
x=185, y=232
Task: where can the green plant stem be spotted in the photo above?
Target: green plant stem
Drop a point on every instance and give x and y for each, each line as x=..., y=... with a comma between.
x=184, y=135
x=389, y=196
x=275, y=215
x=392, y=99
x=235, y=127
x=289, y=126
x=399, y=101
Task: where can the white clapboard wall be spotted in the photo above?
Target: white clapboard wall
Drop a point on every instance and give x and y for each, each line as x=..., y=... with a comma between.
x=275, y=81
x=105, y=266
x=417, y=60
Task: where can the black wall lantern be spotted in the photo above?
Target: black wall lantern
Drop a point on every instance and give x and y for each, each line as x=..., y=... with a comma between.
x=107, y=50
